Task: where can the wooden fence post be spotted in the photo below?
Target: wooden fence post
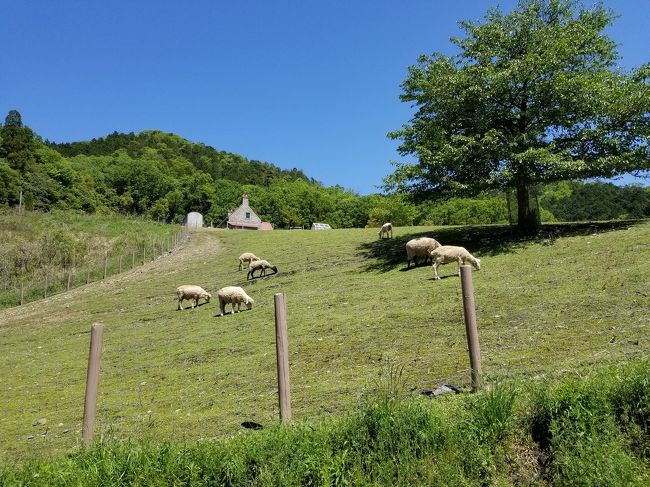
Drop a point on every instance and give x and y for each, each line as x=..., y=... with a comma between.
x=45, y=292
x=105, y=265
x=22, y=292
x=469, y=309
x=92, y=381
x=144, y=254
x=132, y=259
x=282, y=353
x=120, y=263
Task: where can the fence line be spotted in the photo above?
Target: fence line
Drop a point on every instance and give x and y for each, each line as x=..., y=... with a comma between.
x=64, y=278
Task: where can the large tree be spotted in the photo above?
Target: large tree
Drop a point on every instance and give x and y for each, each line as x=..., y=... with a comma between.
x=533, y=96
x=17, y=142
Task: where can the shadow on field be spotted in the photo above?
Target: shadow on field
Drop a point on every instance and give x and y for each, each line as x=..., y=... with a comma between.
x=388, y=253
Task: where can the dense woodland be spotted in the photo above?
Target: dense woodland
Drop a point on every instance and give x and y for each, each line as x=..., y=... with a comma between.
x=163, y=176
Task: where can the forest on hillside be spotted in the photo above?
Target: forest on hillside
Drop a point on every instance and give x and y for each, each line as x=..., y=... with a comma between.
x=162, y=176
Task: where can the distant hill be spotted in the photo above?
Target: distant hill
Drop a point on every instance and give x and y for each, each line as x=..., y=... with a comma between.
x=219, y=164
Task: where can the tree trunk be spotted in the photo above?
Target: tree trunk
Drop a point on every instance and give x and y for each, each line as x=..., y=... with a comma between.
x=527, y=221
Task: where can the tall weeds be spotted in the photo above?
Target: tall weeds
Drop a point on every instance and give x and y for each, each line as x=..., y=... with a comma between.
x=590, y=432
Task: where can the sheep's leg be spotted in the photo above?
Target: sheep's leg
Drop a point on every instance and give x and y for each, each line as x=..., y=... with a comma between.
x=180, y=304
x=435, y=270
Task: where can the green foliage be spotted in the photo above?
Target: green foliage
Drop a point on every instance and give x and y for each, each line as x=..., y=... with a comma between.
x=533, y=96
x=574, y=201
x=17, y=143
x=580, y=424
x=393, y=208
x=387, y=441
x=464, y=211
x=9, y=184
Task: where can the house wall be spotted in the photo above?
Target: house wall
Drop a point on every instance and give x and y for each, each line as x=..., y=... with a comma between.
x=244, y=215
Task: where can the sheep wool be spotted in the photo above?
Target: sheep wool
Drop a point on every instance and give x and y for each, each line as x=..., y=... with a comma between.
x=385, y=229
x=449, y=253
x=233, y=295
x=247, y=258
x=419, y=247
x=192, y=292
x=260, y=265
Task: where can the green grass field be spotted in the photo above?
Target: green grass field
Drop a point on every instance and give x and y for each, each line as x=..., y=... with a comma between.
x=572, y=298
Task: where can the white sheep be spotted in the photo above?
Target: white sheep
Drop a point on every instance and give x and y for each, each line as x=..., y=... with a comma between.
x=195, y=293
x=385, y=229
x=247, y=257
x=449, y=253
x=419, y=247
x=260, y=265
x=235, y=296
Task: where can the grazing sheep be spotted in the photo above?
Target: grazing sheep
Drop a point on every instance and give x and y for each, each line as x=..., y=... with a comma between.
x=235, y=296
x=419, y=247
x=448, y=253
x=260, y=264
x=189, y=291
x=247, y=257
x=385, y=229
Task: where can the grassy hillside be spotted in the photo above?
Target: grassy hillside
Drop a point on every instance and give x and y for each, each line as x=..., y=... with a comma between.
x=69, y=249
x=556, y=305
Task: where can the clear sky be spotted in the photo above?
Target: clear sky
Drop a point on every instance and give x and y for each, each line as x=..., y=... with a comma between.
x=300, y=83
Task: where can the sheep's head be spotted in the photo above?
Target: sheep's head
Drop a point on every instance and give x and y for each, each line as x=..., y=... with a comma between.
x=275, y=269
x=206, y=296
x=478, y=264
x=249, y=302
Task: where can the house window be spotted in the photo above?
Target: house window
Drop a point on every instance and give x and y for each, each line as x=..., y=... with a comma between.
x=248, y=215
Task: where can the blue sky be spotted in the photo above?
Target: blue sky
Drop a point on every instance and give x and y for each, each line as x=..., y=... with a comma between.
x=312, y=85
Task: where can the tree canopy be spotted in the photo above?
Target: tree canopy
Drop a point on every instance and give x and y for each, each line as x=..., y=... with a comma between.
x=163, y=176
x=533, y=96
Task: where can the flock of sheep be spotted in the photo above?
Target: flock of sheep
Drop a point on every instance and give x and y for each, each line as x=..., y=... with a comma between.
x=233, y=295
x=430, y=248
x=425, y=247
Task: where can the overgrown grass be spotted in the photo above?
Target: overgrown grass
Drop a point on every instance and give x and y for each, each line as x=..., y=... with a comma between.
x=573, y=298
x=393, y=440
x=68, y=249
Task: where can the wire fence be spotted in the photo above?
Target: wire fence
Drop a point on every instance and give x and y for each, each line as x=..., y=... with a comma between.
x=50, y=277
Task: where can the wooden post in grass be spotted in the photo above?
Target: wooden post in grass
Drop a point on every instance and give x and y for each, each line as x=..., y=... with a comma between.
x=120, y=263
x=92, y=382
x=132, y=259
x=144, y=254
x=282, y=353
x=469, y=309
x=105, y=265
x=22, y=292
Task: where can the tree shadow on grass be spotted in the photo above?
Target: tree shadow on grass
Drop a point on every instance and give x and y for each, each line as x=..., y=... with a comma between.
x=481, y=240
